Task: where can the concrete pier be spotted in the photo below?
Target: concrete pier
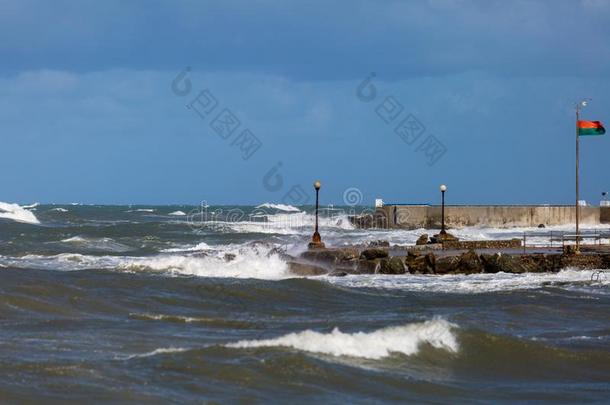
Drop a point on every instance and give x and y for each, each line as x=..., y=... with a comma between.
x=498, y=216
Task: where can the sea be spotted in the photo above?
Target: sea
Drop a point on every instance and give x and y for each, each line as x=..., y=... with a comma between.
x=194, y=304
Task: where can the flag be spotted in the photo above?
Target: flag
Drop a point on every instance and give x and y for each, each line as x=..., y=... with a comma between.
x=586, y=128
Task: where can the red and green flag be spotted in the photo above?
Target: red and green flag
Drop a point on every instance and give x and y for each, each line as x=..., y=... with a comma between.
x=587, y=128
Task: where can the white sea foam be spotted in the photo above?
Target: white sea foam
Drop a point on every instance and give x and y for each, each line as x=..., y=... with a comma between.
x=378, y=344
x=473, y=283
x=142, y=210
x=17, y=213
x=59, y=209
x=30, y=206
x=279, y=207
x=161, y=350
x=177, y=213
x=299, y=223
x=198, y=247
x=248, y=263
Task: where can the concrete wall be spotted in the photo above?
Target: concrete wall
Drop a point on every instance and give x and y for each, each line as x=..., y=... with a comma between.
x=502, y=216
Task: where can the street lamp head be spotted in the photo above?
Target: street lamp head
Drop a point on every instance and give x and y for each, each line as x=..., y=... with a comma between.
x=317, y=185
x=443, y=188
x=584, y=103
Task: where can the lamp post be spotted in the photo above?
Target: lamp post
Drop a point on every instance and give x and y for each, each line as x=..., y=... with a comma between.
x=316, y=240
x=443, y=189
x=578, y=106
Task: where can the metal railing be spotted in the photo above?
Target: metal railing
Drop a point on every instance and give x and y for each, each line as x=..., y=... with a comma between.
x=561, y=238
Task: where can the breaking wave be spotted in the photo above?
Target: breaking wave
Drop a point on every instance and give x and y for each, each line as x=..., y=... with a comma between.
x=375, y=345
x=17, y=213
x=279, y=207
x=474, y=283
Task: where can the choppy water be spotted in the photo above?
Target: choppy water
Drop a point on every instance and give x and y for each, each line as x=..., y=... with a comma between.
x=132, y=304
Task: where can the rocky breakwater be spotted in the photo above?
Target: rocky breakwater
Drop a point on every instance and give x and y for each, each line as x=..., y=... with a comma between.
x=378, y=260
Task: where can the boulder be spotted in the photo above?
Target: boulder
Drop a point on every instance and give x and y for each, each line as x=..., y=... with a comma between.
x=420, y=264
x=422, y=240
x=514, y=264
x=393, y=265
x=338, y=273
x=447, y=265
x=374, y=253
x=367, y=267
x=331, y=256
x=470, y=263
x=305, y=269
x=443, y=237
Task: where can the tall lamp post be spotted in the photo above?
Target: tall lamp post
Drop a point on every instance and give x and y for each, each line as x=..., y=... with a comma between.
x=578, y=106
x=316, y=240
x=443, y=189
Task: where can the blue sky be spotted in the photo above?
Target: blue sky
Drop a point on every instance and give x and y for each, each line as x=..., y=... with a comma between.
x=88, y=113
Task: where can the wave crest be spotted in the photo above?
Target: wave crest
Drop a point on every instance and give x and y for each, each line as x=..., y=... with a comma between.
x=17, y=213
x=375, y=345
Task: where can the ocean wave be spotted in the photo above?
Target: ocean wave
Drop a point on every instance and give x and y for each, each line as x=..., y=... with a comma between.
x=59, y=209
x=299, y=223
x=473, y=283
x=142, y=210
x=279, y=207
x=246, y=262
x=161, y=350
x=375, y=345
x=231, y=261
x=197, y=248
x=177, y=213
x=101, y=244
x=17, y=213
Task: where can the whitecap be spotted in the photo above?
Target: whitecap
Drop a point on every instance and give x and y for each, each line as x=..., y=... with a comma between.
x=177, y=213
x=279, y=207
x=17, y=213
x=161, y=350
x=375, y=345
x=470, y=284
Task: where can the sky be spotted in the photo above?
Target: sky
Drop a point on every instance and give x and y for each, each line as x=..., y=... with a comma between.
x=245, y=102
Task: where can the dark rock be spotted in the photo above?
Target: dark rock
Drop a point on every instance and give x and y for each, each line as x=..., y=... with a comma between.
x=470, y=263
x=517, y=264
x=393, y=265
x=338, y=273
x=420, y=264
x=501, y=263
x=229, y=257
x=379, y=243
x=367, y=267
x=447, y=265
x=306, y=269
x=422, y=240
x=541, y=226
x=374, y=253
x=331, y=256
x=443, y=237
x=491, y=263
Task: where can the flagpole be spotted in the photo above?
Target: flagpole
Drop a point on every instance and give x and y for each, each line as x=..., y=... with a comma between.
x=577, y=183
